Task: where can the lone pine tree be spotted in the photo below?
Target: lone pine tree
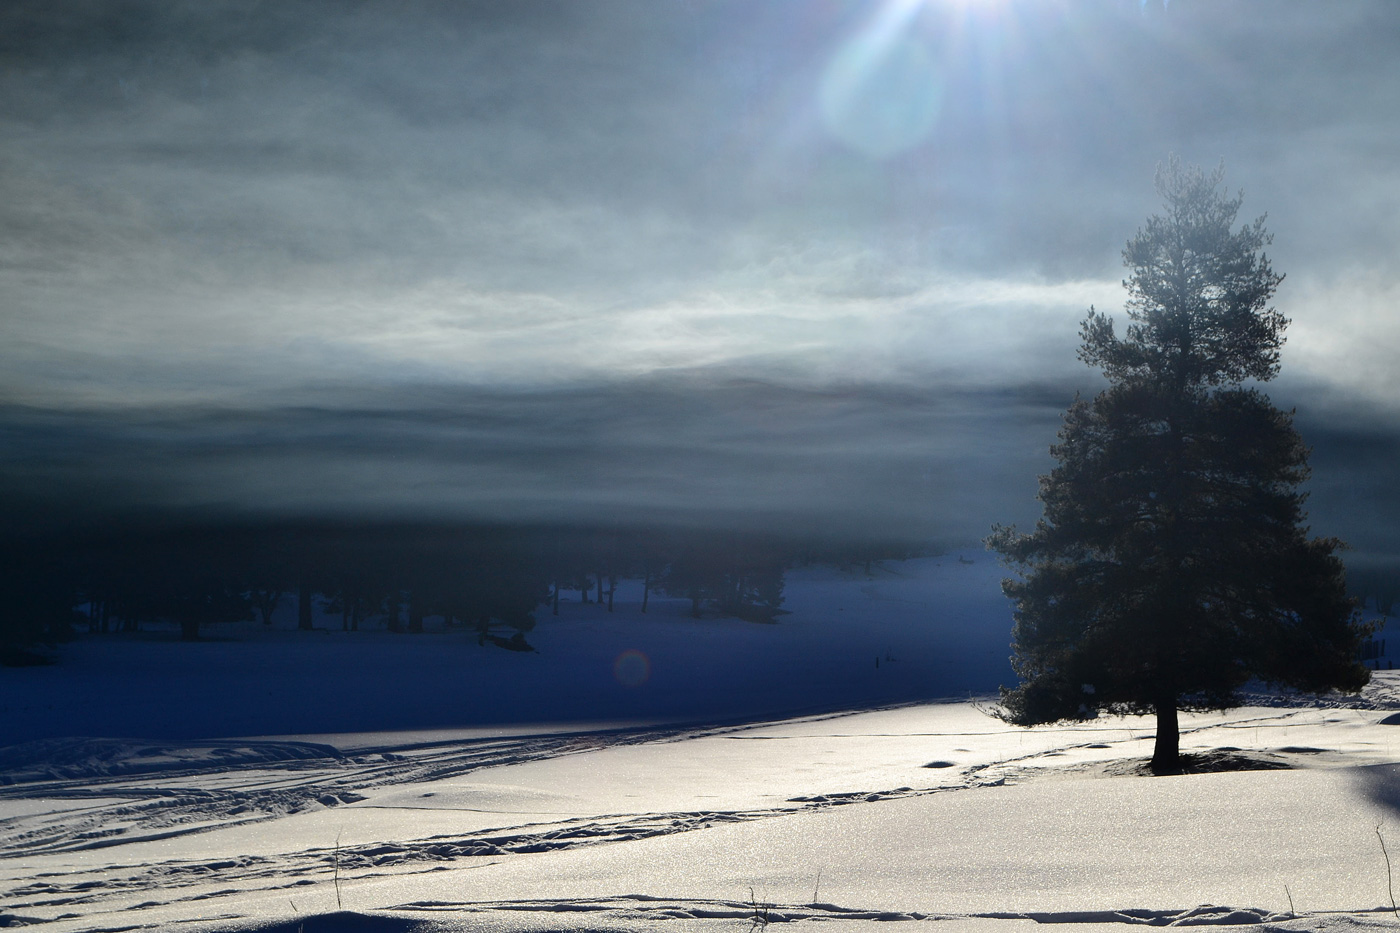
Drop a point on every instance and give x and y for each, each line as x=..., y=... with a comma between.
x=1172, y=564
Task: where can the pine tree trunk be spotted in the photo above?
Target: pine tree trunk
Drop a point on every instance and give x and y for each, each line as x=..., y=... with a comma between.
x=1166, y=754
x=304, y=608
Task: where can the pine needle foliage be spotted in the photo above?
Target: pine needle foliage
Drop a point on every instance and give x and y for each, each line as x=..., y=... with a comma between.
x=1172, y=563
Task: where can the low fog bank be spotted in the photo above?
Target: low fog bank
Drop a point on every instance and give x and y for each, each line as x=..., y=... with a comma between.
x=859, y=462
x=912, y=463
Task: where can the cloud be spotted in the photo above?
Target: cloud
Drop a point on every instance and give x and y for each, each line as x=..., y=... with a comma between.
x=1345, y=334
x=299, y=213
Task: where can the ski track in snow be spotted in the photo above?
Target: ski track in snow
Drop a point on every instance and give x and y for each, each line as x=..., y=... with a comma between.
x=174, y=794
x=110, y=794
x=758, y=913
x=86, y=818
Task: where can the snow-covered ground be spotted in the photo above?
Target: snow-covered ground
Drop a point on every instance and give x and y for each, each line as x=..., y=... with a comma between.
x=935, y=627
x=397, y=782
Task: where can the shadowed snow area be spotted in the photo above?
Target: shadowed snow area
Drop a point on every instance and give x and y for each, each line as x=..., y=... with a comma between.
x=911, y=630
x=914, y=812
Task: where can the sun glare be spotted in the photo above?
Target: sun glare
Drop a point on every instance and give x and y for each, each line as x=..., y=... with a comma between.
x=883, y=90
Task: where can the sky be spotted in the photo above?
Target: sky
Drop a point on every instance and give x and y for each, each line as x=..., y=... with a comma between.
x=725, y=262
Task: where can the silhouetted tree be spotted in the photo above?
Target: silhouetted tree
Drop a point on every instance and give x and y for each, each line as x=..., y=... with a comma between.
x=650, y=555
x=1171, y=564
x=190, y=577
x=265, y=600
x=263, y=559
x=1379, y=584
x=305, y=595
x=738, y=577
x=39, y=587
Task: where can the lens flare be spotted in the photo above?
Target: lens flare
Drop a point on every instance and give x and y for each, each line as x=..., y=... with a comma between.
x=881, y=93
x=632, y=668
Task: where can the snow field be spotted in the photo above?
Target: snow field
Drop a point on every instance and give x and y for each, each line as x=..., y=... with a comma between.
x=917, y=812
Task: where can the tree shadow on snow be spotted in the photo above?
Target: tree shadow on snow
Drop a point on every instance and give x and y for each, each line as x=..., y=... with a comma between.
x=1380, y=784
x=1215, y=761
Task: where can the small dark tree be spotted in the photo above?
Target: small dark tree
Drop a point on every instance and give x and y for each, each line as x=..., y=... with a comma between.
x=304, y=606
x=38, y=590
x=265, y=600
x=742, y=578
x=1172, y=564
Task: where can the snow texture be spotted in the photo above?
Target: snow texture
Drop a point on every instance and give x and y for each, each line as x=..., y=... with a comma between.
x=466, y=817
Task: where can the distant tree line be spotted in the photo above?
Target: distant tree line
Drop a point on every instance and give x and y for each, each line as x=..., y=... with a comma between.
x=1376, y=585
x=490, y=579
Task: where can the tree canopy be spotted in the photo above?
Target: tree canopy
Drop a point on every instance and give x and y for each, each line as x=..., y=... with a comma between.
x=1172, y=563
